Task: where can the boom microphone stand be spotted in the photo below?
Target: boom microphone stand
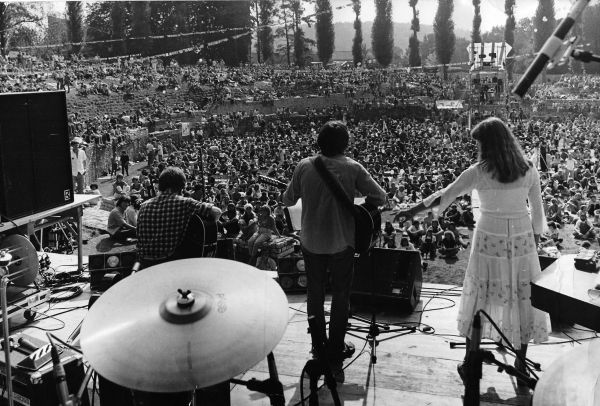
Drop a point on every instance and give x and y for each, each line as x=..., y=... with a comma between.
x=373, y=329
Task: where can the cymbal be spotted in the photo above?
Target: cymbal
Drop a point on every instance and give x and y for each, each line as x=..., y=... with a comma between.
x=572, y=380
x=144, y=335
x=24, y=259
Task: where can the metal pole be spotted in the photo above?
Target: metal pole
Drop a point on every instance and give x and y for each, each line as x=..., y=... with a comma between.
x=79, y=239
x=6, y=335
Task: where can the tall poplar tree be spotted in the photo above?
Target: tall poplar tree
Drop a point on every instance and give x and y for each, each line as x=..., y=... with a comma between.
x=476, y=33
x=140, y=27
x=74, y=23
x=324, y=30
x=414, y=55
x=509, y=34
x=443, y=28
x=357, y=42
x=265, y=32
x=119, y=19
x=382, y=35
x=543, y=24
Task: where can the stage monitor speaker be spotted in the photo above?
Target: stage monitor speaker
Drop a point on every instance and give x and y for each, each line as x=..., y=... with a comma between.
x=112, y=263
x=388, y=277
x=34, y=153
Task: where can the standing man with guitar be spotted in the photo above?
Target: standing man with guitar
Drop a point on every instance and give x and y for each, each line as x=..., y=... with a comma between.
x=328, y=230
x=168, y=222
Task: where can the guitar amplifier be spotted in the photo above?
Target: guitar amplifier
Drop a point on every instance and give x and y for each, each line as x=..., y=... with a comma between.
x=109, y=261
x=38, y=387
x=387, y=277
x=587, y=260
x=291, y=274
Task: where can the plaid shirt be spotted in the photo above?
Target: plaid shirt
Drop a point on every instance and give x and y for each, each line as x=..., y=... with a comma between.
x=162, y=222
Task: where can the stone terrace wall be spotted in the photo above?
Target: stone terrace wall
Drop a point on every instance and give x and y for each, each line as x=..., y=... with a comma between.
x=115, y=104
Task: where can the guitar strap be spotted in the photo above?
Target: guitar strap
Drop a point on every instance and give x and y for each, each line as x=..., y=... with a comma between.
x=333, y=185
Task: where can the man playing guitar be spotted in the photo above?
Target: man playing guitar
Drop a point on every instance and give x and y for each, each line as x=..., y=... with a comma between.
x=328, y=232
x=166, y=222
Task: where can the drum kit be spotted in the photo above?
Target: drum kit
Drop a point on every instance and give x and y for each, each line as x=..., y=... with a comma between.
x=184, y=325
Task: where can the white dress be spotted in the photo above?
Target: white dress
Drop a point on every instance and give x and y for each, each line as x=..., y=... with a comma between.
x=503, y=258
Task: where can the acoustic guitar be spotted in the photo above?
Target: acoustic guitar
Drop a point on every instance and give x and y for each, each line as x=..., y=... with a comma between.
x=199, y=240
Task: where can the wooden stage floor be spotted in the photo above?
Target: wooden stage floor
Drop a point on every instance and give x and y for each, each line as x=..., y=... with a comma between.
x=413, y=369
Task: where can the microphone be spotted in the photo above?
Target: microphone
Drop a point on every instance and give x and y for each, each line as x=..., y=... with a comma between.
x=62, y=390
x=474, y=366
x=571, y=44
x=549, y=49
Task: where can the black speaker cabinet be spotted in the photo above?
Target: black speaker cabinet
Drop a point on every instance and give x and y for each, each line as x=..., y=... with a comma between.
x=291, y=274
x=119, y=264
x=35, y=162
x=387, y=277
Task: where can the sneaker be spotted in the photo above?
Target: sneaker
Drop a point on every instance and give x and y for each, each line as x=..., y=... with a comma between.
x=349, y=350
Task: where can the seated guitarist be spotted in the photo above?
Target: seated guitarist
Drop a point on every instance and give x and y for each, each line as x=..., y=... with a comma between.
x=327, y=232
x=164, y=219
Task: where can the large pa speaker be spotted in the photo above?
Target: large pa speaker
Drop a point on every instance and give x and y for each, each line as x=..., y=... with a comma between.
x=35, y=161
x=387, y=277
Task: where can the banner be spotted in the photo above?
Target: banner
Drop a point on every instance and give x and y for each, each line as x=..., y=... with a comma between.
x=136, y=133
x=448, y=104
x=185, y=129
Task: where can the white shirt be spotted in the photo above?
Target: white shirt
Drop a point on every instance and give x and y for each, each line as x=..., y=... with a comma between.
x=78, y=162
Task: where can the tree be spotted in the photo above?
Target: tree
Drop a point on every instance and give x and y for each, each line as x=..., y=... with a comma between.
x=120, y=26
x=443, y=28
x=543, y=23
x=414, y=57
x=476, y=33
x=140, y=27
x=265, y=32
x=324, y=31
x=382, y=34
x=14, y=15
x=357, y=42
x=299, y=40
x=591, y=34
x=74, y=23
x=509, y=34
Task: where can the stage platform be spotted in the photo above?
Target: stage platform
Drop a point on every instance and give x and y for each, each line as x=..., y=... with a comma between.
x=414, y=369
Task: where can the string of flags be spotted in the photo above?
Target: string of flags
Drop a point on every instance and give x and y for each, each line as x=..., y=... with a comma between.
x=107, y=41
x=197, y=47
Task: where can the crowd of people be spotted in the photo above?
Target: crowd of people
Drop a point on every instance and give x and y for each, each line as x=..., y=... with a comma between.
x=242, y=168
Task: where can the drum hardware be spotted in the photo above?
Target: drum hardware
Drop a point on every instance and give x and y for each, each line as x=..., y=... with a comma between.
x=18, y=266
x=191, y=317
x=271, y=387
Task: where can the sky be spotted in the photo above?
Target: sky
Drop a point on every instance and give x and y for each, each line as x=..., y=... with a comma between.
x=492, y=11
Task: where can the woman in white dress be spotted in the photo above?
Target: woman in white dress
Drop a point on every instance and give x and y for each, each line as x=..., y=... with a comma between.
x=503, y=258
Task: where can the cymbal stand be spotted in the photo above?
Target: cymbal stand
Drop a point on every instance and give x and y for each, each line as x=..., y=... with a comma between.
x=374, y=329
x=5, y=262
x=271, y=387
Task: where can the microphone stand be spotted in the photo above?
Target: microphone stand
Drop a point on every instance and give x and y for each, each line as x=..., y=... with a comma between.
x=584, y=56
x=474, y=365
x=64, y=398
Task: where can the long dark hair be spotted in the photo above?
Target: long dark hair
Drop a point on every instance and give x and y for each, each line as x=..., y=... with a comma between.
x=499, y=151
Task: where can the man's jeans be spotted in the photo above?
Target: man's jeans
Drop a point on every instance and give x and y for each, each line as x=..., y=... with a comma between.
x=78, y=183
x=341, y=267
